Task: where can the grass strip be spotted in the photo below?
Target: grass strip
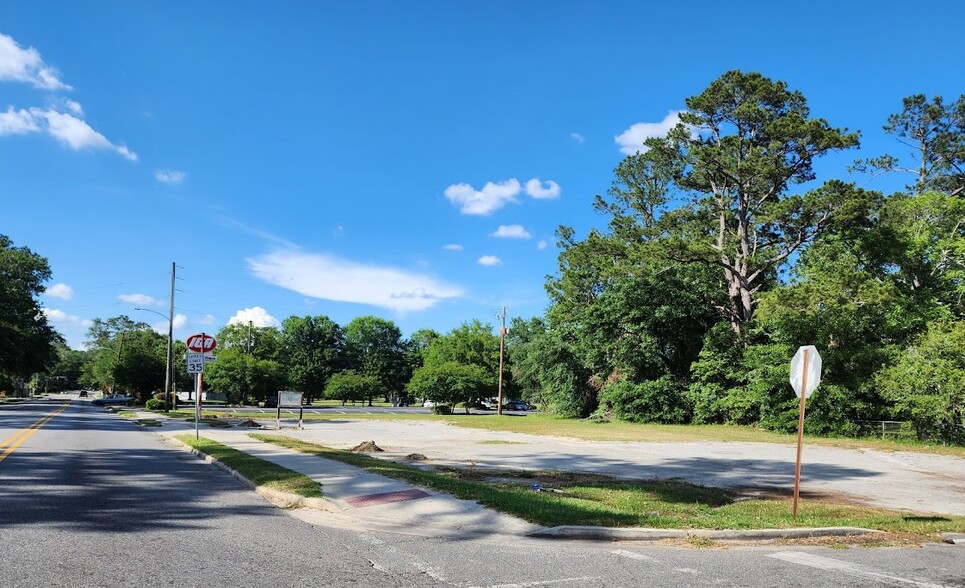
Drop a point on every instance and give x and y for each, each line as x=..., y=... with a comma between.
x=261, y=472
x=581, y=499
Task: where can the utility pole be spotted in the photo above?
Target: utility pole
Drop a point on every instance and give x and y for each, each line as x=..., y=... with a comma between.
x=502, y=339
x=120, y=348
x=249, y=337
x=169, y=369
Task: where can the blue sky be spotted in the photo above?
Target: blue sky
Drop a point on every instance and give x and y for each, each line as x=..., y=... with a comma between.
x=410, y=160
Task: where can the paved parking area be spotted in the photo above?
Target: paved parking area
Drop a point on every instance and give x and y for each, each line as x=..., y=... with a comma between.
x=903, y=480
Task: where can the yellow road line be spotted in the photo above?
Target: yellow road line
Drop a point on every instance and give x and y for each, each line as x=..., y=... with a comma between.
x=20, y=437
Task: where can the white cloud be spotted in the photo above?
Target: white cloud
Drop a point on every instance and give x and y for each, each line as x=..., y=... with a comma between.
x=169, y=176
x=59, y=317
x=180, y=321
x=74, y=107
x=62, y=291
x=578, y=137
x=535, y=188
x=453, y=247
x=631, y=140
x=325, y=276
x=258, y=316
x=541, y=245
x=25, y=65
x=207, y=319
x=511, y=232
x=17, y=122
x=77, y=134
x=489, y=260
x=140, y=300
x=482, y=202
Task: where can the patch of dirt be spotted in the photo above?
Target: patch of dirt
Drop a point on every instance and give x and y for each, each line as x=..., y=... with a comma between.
x=367, y=447
x=416, y=457
x=250, y=423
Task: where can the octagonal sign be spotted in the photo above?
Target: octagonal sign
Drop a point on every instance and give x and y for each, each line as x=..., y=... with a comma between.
x=813, y=370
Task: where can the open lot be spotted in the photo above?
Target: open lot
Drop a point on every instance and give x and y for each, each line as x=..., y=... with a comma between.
x=903, y=480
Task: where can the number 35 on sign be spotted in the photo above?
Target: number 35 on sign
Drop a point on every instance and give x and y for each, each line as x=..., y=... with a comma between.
x=195, y=363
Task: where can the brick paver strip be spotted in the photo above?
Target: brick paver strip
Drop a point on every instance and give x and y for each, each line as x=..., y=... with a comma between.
x=386, y=497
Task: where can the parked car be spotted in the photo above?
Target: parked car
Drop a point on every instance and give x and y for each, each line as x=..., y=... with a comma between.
x=112, y=400
x=83, y=394
x=516, y=405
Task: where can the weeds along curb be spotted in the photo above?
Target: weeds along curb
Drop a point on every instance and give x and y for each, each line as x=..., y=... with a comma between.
x=643, y=534
x=276, y=497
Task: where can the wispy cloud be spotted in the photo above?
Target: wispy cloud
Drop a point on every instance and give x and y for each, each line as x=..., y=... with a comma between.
x=541, y=245
x=207, y=319
x=257, y=315
x=17, y=122
x=578, y=137
x=25, y=65
x=535, y=189
x=489, y=260
x=631, y=140
x=230, y=222
x=61, y=120
x=62, y=291
x=325, y=276
x=453, y=247
x=59, y=317
x=140, y=300
x=169, y=176
x=511, y=232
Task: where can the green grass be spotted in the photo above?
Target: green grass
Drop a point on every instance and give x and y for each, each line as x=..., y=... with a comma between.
x=579, y=499
x=261, y=472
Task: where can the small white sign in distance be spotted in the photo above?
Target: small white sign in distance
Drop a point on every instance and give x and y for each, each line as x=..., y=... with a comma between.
x=813, y=370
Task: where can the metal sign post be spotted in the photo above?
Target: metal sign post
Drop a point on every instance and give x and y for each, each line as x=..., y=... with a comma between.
x=805, y=377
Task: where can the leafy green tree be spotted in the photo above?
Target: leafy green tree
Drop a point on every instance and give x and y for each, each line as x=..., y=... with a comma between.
x=351, y=386
x=244, y=377
x=452, y=382
x=716, y=190
x=125, y=356
x=260, y=342
x=472, y=343
x=313, y=347
x=27, y=341
x=68, y=368
x=374, y=347
x=927, y=384
x=548, y=371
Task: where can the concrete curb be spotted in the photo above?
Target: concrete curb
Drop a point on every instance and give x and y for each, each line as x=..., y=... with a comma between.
x=648, y=534
x=276, y=497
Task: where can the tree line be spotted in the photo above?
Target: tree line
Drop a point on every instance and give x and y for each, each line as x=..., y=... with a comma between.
x=722, y=253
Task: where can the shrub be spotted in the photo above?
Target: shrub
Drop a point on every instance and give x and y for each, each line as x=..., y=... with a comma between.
x=154, y=404
x=654, y=401
x=441, y=409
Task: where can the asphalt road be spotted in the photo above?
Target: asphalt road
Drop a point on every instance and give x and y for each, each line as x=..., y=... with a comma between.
x=89, y=499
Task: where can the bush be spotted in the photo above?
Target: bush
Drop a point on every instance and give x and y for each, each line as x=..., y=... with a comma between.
x=654, y=401
x=441, y=409
x=154, y=404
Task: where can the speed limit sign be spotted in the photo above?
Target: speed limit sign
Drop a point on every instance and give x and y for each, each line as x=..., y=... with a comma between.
x=195, y=363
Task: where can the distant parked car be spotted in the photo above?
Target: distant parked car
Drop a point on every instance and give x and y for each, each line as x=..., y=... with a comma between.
x=516, y=405
x=83, y=394
x=113, y=400
x=271, y=402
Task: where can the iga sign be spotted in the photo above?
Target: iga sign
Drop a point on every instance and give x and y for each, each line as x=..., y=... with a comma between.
x=201, y=343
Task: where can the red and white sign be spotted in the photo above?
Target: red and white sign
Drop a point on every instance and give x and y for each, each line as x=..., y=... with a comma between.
x=201, y=343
